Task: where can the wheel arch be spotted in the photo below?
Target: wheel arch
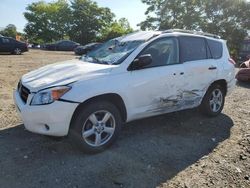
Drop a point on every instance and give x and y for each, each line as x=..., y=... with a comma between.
x=222, y=83
x=110, y=97
x=205, y=107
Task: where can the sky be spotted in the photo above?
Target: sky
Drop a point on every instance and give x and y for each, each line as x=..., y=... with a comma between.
x=11, y=11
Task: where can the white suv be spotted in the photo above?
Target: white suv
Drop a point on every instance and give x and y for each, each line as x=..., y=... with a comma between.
x=136, y=76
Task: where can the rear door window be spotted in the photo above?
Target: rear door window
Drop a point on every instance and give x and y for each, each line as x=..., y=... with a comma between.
x=215, y=48
x=192, y=49
x=62, y=43
x=68, y=43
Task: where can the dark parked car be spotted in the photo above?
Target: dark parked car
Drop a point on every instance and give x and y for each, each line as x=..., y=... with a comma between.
x=244, y=53
x=10, y=45
x=63, y=45
x=80, y=50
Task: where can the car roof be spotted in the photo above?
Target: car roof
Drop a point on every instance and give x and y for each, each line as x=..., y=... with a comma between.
x=147, y=35
x=192, y=35
x=7, y=37
x=138, y=36
x=65, y=41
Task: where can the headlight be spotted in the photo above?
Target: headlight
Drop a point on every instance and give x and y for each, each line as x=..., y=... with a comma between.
x=48, y=96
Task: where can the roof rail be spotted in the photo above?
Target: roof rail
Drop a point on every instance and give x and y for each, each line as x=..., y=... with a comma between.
x=192, y=32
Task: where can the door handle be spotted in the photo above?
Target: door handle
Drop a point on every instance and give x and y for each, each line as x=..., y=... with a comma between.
x=212, y=68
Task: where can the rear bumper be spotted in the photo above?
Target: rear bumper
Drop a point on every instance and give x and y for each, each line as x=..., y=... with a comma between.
x=53, y=119
x=25, y=50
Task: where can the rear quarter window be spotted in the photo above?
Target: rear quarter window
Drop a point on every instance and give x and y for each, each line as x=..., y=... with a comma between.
x=215, y=48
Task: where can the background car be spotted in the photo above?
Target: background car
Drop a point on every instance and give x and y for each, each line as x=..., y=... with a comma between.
x=244, y=72
x=10, y=45
x=80, y=50
x=244, y=53
x=63, y=45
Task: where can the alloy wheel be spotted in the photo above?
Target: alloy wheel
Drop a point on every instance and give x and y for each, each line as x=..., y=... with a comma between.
x=17, y=51
x=216, y=100
x=99, y=128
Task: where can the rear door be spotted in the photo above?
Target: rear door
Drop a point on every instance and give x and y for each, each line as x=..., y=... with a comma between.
x=200, y=68
x=60, y=46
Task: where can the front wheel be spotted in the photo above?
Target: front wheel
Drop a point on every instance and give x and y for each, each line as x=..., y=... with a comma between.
x=95, y=126
x=213, y=101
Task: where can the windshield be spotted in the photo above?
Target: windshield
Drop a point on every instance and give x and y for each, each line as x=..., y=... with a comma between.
x=112, y=52
x=245, y=47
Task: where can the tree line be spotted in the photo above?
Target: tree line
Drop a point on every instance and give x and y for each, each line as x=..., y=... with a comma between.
x=80, y=20
x=84, y=21
x=10, y=31
x=229, y=19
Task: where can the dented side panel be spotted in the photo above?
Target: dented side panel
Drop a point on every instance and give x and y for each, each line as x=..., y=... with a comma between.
x=169, y=89
x=160, y=90
x=183, y=100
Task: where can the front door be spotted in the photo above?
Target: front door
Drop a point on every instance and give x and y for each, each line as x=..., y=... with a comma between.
x=155, y=89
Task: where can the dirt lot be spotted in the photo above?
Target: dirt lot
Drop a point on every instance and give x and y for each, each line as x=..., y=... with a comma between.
x=183, y=149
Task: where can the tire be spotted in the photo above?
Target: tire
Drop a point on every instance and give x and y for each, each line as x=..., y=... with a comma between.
x=17, y=51
x=95, y=126
x=213, y=101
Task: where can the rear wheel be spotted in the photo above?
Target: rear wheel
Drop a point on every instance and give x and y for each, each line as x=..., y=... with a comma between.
x=95, y=126
x=17, y=51
x=213, y=101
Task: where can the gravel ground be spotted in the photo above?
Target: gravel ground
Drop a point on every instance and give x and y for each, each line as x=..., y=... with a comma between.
x=183, y=149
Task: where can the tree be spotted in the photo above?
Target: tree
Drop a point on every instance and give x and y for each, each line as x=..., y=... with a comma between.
x=82, y=21
x=89, y=20
x=169, y=14
x=116, y=29
x=47, y=21
x=9, y=31
x=227, y=18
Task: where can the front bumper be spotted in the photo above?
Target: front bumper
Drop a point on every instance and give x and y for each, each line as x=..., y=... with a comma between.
x=52, y=119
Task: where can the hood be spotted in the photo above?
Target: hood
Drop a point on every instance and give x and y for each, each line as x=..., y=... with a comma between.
x=63, y=73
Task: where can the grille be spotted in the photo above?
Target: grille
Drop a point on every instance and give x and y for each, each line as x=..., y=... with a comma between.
x=23, y=92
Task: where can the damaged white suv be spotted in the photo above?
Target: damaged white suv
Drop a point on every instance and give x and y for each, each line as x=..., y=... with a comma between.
x=136, y=76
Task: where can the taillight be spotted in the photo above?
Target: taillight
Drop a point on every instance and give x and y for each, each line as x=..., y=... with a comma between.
x=231, y=61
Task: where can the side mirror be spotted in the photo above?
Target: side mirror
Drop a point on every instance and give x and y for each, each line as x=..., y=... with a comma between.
x=141, y=62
